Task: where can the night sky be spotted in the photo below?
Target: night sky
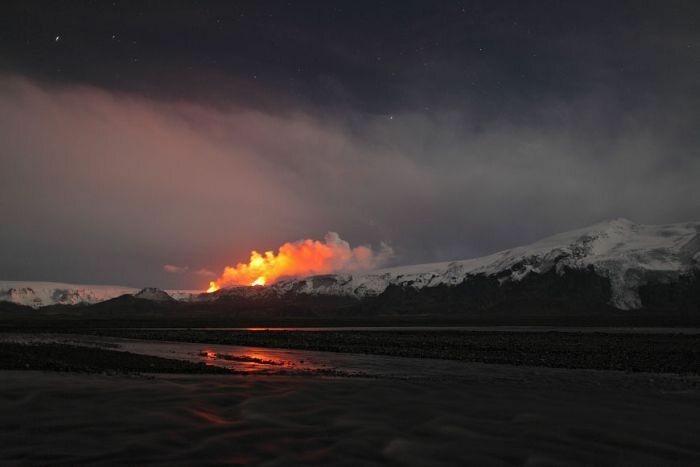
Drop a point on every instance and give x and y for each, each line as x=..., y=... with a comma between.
x=139, y=134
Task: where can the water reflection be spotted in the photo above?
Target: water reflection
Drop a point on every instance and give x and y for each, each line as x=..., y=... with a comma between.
x=259, y=360
x=263, y=360
x=252, y=358
x=238, y=358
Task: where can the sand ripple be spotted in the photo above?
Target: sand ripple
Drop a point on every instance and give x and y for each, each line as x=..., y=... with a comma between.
x=497, y=416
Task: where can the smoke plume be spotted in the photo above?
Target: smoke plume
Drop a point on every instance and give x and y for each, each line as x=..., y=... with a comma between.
x=302, y=258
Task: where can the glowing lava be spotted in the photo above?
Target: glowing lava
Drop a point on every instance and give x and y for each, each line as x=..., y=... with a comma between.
x=259, y=281
x=302, y=258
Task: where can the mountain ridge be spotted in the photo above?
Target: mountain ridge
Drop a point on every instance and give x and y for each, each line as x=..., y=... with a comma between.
x=621, y=259
x=629, y=255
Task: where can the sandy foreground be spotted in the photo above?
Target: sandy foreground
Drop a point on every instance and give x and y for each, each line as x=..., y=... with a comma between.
x=486, y=415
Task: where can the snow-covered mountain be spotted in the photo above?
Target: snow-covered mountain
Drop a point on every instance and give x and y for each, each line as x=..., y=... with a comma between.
x=154, y=294
x=627, y=254
x=39, y=294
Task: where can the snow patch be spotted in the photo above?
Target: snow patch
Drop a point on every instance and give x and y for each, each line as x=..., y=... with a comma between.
x=154, y=294
x=626, y=253
x=39, y=294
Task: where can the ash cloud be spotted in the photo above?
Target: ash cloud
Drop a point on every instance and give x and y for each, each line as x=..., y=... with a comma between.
x=107, y=187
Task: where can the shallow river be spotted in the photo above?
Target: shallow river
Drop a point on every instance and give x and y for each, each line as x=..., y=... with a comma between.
x=262, y=360
x=409, y=412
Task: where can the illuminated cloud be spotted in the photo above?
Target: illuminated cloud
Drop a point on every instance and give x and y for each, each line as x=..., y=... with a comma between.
x=128, y=184
x=303, y=258
x=172, y=269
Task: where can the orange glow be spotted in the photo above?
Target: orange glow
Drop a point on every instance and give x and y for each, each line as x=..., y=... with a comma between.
x=259, y=281
x=297, y=259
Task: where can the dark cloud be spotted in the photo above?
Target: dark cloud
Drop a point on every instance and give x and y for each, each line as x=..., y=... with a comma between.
x=198, y=133
x=107, y=187
x=379, y=57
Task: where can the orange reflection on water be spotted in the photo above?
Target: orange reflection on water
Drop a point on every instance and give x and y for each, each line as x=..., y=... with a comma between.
x=248, y=359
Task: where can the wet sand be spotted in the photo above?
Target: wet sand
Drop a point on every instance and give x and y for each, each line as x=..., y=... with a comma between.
x=490, y=415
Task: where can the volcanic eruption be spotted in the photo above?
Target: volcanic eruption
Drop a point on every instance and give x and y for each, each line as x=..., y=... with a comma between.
x=302, y=258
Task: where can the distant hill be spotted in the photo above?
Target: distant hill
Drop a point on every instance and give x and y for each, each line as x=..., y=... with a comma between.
x=617, y=264
x=612, y=266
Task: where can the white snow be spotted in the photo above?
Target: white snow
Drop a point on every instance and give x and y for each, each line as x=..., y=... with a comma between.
x=153, y=294
x=38, y=294
x=627, y=253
